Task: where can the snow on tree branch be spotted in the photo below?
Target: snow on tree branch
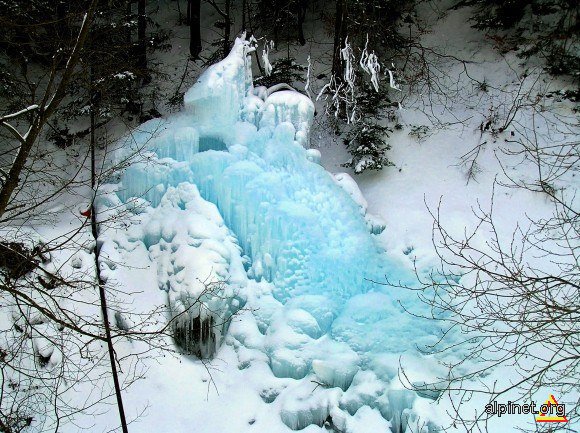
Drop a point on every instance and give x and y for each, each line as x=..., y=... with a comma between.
x=308, y=71
x=369, y=62
x=19, y=113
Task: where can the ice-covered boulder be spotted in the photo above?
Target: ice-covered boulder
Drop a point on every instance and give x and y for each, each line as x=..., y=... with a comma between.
x=289, y=106
x=375, y=223
x=198, y=264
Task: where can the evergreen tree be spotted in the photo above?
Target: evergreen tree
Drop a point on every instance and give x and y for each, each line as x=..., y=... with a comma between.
x=367, y=137
x=285, y=70
x=364, y=32
x=367, y=143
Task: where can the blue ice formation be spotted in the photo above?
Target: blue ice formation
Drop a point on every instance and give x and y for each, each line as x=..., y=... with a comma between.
x=299, y=228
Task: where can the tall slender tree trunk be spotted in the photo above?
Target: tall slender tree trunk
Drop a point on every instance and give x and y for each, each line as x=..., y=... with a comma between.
x=227, y=29
x=302, y=5
x=63, y=29
x=128, y=13
x=179, y=12
x=339, y=37
x=244, y=15
x=276, y=24
x=251, y=30
x=100, y=282
x=141, y=37
x=194, y=28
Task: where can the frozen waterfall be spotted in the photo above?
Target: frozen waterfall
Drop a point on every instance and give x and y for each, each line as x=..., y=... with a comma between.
x=228, y=190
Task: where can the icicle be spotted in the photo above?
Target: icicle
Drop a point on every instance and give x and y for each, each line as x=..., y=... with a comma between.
x=307, y=85
x=392, y=81
x=265, y=57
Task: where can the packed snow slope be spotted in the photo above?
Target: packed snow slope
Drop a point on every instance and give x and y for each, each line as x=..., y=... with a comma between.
x=239, y=218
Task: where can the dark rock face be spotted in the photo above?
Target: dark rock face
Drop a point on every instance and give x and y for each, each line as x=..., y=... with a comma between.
x=197, y=336
x=17, y=259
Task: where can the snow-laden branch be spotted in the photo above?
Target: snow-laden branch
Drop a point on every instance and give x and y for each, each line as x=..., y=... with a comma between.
x=308, y=71
x=392, y=81
x=278, y=87
x=347, y=56
x=3, y=121
x=342, y=92
x=349, y=79
x=19, y=113
x=15, y=132
x=369, y=62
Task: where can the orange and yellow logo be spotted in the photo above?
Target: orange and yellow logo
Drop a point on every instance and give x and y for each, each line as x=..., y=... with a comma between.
x=551, y=411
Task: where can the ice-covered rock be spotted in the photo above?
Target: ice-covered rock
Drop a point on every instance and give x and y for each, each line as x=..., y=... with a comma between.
x=375, y=223
x=198, y=263
x=367, y=419
x=314, y=155
x=365, y=390
x=289, y=106
x=307, y=404
x=346, y=182
x=337, y=370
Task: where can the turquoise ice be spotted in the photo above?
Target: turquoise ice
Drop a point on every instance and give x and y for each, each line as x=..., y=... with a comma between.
x=246, y=152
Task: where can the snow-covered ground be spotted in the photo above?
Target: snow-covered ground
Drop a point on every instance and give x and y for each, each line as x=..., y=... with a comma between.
x=226, y=204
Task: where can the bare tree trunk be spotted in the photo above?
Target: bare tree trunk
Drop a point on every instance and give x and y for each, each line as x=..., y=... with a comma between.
x=128, y=13
x=339, y=36
x=194, y=7
x=244, y=15
x=63, y=29
x=276, y=16
x=111, y=350
x=141, y=37
x=251, y=29
x=227, y=28
x=301, y=15
x=100, y=282
x=179, y=13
